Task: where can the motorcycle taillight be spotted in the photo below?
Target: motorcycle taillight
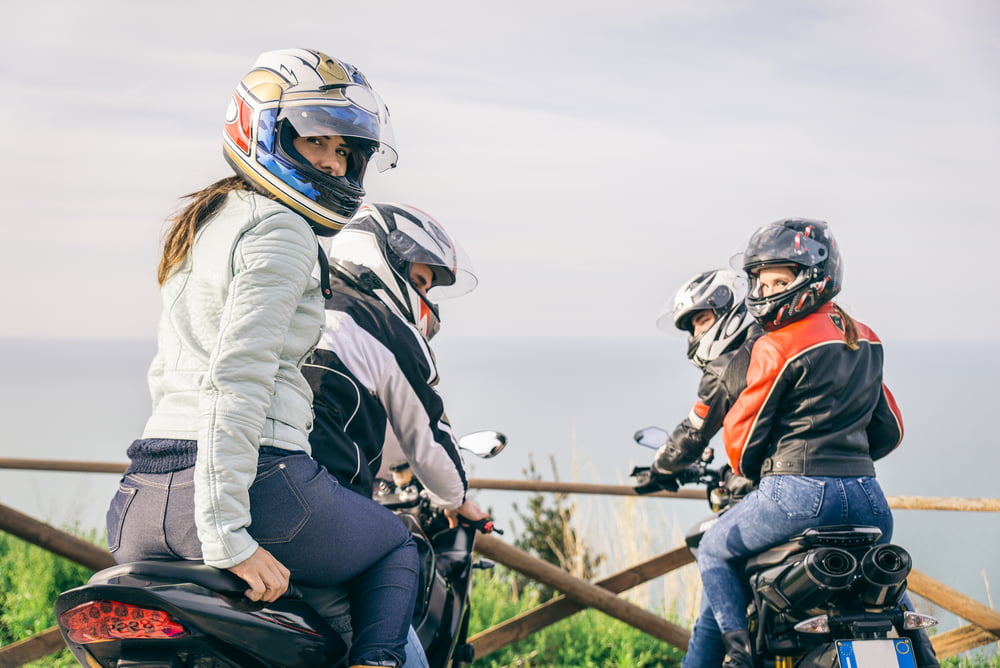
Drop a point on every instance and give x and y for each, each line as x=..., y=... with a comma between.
x=100, y=621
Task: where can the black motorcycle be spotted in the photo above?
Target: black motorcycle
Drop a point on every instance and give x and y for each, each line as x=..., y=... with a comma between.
x=829, y=597
x=167, y=614
x=441, y=614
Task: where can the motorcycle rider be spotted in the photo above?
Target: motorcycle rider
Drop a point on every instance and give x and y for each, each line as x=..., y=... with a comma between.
x=710, y=308
x=222, y=467
x=813, y=418
x=373, y=374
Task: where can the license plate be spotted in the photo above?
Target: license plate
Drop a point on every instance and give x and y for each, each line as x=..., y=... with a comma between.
x=889, y=653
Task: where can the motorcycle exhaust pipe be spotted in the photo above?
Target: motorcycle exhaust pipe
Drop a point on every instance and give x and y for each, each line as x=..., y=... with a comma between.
x=813, y=581
x=883, y=576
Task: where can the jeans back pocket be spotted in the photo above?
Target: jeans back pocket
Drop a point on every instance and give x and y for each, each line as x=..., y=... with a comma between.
x=799, y=497
x=115, y=516
x=277, y=508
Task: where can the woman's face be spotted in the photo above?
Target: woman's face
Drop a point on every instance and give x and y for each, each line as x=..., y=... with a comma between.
x=328, y=153
x=774, y=280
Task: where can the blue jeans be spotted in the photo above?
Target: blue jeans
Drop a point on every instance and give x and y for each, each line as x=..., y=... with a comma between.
x=322, y=532
x=780, y=508
x=705, y=649
x=333, y=604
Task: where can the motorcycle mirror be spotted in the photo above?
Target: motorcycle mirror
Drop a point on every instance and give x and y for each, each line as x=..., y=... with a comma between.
x=651, y=437
x=484, y=444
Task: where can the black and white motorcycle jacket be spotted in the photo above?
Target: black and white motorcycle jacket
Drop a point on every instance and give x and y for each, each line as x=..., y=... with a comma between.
x=722, y=381
x=373, y=379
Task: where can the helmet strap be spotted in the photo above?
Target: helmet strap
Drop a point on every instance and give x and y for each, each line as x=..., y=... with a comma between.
x=324, y=273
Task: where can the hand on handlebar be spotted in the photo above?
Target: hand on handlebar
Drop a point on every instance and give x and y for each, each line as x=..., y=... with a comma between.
x=648, y=481
x=737, y=486
x=469, y=510
x=470, y=515
x=483, y=526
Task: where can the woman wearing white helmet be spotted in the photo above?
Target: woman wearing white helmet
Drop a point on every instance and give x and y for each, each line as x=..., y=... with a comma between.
x=227, y=442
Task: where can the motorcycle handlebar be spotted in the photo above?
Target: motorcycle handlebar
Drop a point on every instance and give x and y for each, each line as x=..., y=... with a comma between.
x=650, y=481
x=484, y=525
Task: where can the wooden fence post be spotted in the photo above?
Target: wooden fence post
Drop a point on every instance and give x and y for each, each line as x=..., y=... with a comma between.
x=582, y=591
x=560, y=607
x=31, y=649
x=985, y=627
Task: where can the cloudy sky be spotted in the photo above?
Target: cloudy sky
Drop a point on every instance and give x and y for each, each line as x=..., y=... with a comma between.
x=590, y=156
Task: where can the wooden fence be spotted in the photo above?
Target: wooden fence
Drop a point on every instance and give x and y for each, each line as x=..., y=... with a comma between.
x=577, y=594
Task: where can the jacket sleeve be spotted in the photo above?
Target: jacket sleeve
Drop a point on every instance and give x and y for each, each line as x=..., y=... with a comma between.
x=747, y=426
x=416, y=413
x=885, y=431
x=692, y=435
x=393, y=362
x=272, y=265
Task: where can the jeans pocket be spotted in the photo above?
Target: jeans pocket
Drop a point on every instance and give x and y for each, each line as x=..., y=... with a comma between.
x=799, y=497
x=876, y=497
x=277, y=507
x=115, y=516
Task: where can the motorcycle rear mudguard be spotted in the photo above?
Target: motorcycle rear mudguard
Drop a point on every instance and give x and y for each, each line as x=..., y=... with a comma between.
x=222, y=623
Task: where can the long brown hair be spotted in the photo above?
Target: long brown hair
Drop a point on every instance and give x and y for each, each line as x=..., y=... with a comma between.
x=850, y=327
x=185, y=225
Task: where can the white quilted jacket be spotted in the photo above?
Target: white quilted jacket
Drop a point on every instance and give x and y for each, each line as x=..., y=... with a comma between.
x=239, y=317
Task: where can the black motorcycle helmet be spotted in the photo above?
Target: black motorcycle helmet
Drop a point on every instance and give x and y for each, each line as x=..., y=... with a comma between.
x=809, y=248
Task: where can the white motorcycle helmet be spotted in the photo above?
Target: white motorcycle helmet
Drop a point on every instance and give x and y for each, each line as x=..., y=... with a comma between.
x=721, y=291
x=304, y=93
x=375, y=251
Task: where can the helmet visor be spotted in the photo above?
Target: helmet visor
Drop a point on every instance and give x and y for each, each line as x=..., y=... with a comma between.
x=349, y=110
x=431, y=245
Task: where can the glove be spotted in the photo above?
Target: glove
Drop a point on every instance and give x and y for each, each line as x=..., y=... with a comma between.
x=736, y=485
x=648, y=482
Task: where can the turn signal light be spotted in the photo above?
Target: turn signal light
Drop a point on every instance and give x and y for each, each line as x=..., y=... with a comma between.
x=819, y=624
x=915, y=620
x=100, y=621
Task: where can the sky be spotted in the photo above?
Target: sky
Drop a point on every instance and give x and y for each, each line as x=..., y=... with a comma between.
x=589, y=156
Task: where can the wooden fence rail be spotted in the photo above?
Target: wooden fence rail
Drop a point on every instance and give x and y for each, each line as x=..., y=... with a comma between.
x=954, y=503
x=577, y=594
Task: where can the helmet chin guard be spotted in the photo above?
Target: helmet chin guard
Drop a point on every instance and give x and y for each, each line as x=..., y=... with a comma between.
x=720, y=291
x=304, y=93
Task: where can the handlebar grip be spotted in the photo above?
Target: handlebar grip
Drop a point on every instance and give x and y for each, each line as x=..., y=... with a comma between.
x=484, y=525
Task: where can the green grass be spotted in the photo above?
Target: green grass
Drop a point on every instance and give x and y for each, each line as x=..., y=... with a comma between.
x=978, y=659
x=588, y=639
x=30, y=580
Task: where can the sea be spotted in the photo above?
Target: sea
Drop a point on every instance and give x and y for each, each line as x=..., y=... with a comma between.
x=569, y=410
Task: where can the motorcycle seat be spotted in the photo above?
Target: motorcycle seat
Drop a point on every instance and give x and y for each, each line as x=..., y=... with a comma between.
x=194, y=572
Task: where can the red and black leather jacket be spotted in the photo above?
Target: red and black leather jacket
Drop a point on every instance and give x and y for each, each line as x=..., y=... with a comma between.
x=812, y=406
